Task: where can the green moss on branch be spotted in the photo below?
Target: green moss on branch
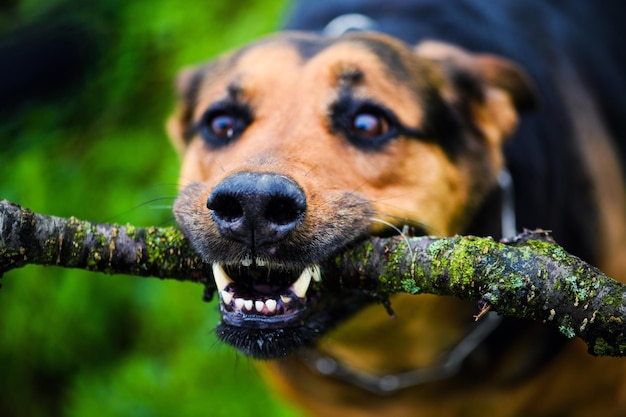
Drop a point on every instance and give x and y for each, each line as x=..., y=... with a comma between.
x=30, y=238
x=528, y=277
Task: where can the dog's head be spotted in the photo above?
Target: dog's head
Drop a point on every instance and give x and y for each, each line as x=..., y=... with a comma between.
x=296, y=147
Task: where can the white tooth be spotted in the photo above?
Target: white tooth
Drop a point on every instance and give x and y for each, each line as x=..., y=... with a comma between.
x=221, y=278
x=286, y=299
x=261, y=262
x=259, y=305
x=227, y=297
x=246, y=262
x=248, y=304
x=316, y=273
x=239, y=303
x=271, y=305
x=302, y=284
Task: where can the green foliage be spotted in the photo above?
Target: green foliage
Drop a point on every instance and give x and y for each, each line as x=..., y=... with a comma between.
x=74, y=343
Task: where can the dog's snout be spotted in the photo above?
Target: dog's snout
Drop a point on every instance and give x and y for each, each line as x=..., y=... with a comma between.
x=257, y=208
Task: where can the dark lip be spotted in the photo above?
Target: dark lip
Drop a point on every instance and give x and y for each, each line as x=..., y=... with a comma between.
x=259, y=339
x=287, y=314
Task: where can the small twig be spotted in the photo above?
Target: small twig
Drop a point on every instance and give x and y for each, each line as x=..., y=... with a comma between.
x=486, y=308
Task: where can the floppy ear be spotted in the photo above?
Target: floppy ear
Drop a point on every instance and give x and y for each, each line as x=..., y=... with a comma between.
x=491, y=89
x=178, y=124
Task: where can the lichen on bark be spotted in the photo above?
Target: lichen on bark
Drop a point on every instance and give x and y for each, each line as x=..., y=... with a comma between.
x=529, y=276
x=30, y=238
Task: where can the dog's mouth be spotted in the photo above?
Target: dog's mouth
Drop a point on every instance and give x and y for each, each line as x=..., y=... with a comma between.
x=270, y=310
x=256, y=294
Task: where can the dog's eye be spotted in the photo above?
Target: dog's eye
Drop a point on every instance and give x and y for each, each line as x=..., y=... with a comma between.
x=368, y=125
x=222, y=124
x=371, y=126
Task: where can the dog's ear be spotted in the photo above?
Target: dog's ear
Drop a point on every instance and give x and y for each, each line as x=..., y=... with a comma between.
x=179, y=123
x=491, y=89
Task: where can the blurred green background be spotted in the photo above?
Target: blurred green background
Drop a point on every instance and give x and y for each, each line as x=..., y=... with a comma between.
x=85, y=87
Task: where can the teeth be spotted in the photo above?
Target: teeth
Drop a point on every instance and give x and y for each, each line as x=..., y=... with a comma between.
x=302, y=284
x=227, y=297
x=316, y=273
x=299, y=288
x=221, y=278
x=248, y=305
x=271, y=305
x=247, y=261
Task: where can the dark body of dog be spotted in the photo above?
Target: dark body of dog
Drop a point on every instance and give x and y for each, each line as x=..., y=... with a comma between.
x=297, y=146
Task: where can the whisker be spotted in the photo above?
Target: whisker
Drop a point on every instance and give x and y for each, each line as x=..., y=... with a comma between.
x=400, y=232
x=386, y=223
x=219, y=164
x=144, y=204
x=163, y=207
x=310, y=171
x=166, y=221
x=408, y=223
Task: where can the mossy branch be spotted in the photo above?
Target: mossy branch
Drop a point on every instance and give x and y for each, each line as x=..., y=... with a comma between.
x=529, y=276
x=31, y=238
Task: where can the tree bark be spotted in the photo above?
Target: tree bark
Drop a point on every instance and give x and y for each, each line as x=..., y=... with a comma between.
x=528, y=276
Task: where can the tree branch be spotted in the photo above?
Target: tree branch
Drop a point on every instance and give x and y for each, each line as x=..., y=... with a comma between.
x=31, y=238
x=528, y=276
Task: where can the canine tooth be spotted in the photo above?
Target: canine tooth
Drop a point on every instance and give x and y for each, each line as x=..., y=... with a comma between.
x=248, y=304
x=259, y=305
x=316, y=273
x=221, y=278
x=302, y=283
x=227, y=297
x=271, y=305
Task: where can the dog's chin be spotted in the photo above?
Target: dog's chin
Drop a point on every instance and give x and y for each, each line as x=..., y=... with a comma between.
x=266, y=343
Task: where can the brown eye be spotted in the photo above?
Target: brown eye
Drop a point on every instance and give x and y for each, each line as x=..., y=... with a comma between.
x=224, y=122
x=222, y=126
x=368, y=125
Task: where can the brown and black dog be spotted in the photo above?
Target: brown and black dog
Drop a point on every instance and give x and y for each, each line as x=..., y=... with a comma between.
x=299, y=145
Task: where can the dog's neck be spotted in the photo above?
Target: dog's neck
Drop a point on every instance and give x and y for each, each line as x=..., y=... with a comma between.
x=451, y=362
x=392, y=382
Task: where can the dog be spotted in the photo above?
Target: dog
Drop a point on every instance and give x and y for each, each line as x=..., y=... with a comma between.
x=440, y=118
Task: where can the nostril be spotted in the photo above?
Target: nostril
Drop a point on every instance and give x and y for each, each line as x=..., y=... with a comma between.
x=225, y=207
x=283, y=210
x=257, y=208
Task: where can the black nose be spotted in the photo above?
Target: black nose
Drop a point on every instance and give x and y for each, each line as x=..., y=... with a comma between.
x=257, y=208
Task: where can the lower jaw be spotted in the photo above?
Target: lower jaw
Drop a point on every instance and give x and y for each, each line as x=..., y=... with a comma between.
x=266, y=343
x=273, y=342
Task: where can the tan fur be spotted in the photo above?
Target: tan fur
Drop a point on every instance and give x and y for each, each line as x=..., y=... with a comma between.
x=408, y=179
